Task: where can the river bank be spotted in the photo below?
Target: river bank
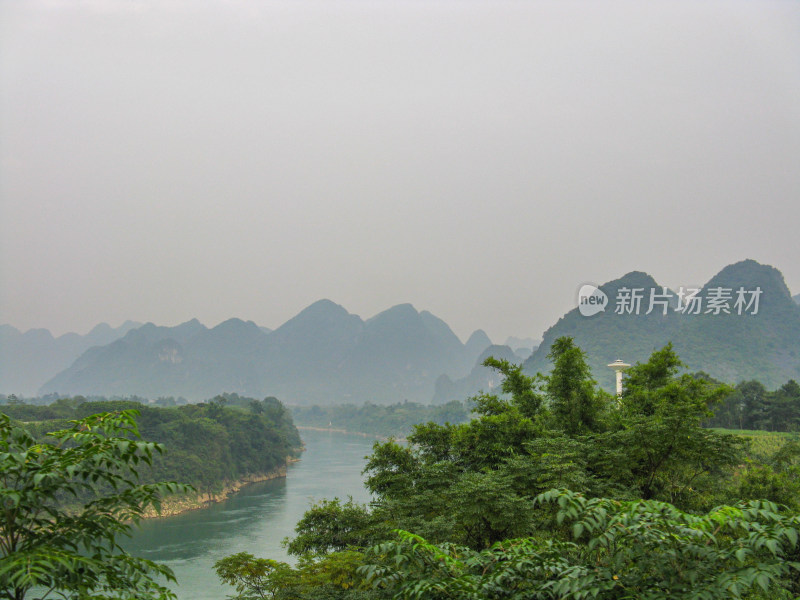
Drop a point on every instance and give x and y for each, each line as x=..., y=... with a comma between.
x=179, y=504
x=374, y=436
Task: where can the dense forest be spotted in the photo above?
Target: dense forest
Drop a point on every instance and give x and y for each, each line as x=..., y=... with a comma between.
x=558, y=490
x=209, y=444
x=751, y=406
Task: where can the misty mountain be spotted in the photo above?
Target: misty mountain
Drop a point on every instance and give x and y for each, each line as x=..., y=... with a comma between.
x=323, y=355
x=327, y=355
x=29, y=359
x=477, y=343
x=729, y=346
x=524, y=345
x=797, y=298
x=480, y=378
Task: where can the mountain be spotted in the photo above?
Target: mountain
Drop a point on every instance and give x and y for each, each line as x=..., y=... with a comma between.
x=479, y=379
x=399, y=355
x=733, y=347
x=797, y=298
x=762, y=344
x=477, y=343
x=29, y=359
x=150, y=361
x=522, y=345
x=322, y=355
x=326, y=355
x=303, y=357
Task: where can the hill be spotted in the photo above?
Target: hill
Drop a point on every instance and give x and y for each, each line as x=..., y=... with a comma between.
x=763, y=342
x=323, y=355
x=29, y=359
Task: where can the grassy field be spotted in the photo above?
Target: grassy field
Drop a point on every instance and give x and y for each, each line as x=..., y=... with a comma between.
x=763, y=444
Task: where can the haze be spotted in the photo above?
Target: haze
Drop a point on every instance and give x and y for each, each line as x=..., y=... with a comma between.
x=163, y=160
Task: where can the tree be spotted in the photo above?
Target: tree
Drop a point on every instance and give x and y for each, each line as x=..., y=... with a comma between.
x=66, y=504
x=333, y=526
x=754, y=408
x=603, y=549
x=667, y=452
x=333, y=577
x=254, y=578
x=576, y=406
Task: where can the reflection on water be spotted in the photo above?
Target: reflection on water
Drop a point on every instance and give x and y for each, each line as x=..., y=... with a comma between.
x=254, y=520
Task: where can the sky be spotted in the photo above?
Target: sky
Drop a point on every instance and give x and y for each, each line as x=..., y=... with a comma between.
x=162, y=160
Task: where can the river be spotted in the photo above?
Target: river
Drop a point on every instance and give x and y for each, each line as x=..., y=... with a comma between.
x=255, y=519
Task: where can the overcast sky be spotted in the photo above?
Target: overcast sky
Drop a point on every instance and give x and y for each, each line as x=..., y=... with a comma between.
x=168, y=159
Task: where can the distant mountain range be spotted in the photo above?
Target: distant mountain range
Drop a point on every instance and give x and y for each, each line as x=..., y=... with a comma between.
x=323, y=355
x=729, y=346
x=326, y=355
x=29, y=359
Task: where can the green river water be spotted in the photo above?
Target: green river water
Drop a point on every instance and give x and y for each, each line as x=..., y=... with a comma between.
x=255, y=519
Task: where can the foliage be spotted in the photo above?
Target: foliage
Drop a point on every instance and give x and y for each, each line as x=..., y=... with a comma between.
x=668, y=454
x=642, y=549
x=776, y=479
x=751, y=406
x=253, y=577
x=334, y=526
x=639, y=477
x=576, y=405
x=75, y=552
x=334, y=576
x=474, y=483
x=211, y=443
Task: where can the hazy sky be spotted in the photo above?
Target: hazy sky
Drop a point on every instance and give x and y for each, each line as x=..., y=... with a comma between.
x=168, y=159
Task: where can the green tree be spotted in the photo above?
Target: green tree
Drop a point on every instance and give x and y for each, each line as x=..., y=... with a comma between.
x=66, y=504
x=754, y=409
x=254, y=578
x=603, y=549
x=664, y=448
x=332, y=577
x=576, y=405
x=333, y=526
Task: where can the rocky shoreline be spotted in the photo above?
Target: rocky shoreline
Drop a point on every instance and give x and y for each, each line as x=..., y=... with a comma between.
x=176, y=505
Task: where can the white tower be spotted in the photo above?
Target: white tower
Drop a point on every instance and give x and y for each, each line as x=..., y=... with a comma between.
x=619, y=367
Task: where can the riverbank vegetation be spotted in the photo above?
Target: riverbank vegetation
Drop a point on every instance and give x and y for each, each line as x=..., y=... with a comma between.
x=557, y=489
x=209, y=445
x=382, y=420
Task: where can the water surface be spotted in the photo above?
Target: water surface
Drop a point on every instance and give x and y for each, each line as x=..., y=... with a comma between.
x=255, y=519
